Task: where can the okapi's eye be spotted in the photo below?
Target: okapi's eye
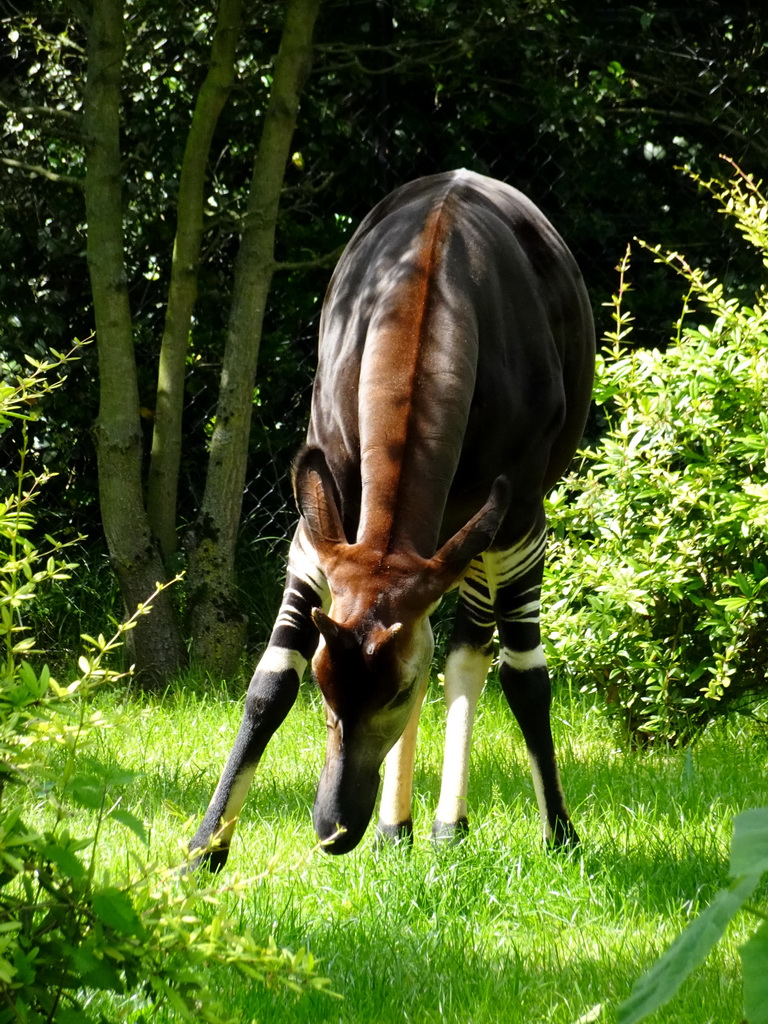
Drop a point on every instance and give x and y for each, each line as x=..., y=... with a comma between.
x=403, y=696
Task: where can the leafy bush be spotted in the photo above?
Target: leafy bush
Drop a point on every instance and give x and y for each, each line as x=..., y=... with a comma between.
x=67, y=930
x=748, y=864
x=658, y=567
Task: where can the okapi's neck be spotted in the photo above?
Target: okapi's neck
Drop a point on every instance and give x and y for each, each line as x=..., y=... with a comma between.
x=413, y=402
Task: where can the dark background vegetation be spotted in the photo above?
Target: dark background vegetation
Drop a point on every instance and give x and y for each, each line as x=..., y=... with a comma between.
x=589, y=108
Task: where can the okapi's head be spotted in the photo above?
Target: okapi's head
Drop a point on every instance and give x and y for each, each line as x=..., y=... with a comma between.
x=375, y=642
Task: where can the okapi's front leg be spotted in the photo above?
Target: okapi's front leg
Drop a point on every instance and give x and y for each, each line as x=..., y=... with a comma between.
x=395, y=822
x=466, y=669
x=271, y=694
x=517, y=575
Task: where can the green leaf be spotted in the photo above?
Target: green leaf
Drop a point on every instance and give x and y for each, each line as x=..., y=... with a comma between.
x=754, y=961
x=24, y=966
x=749, y=846
x=114, y=908
x=115, y=776
x=686, y=953
x=72, y=1015
x=67, y=863
x=110, y=775
x=87, y=791
x=132, y=822
x=95, y=973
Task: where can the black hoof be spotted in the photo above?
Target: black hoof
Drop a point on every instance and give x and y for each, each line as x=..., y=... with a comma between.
x=394, y=835
x=212, y=860
x=564, y=836
x=450, y=831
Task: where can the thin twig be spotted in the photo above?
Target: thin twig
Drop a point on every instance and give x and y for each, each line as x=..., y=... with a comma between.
x=320, y=261
x=43, y=172
x=40, y=111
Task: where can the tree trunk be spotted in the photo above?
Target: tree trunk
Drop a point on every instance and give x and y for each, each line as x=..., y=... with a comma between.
x=217, y=624
x=156, y=643
x=182, y=292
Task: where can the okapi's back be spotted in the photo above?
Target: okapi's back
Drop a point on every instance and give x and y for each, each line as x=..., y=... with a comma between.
x=455, y=340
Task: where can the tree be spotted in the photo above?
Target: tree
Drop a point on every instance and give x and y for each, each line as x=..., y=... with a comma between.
x=140, y=536
x=156, y=642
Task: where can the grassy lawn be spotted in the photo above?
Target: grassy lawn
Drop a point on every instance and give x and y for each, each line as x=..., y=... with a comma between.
x=493, y=929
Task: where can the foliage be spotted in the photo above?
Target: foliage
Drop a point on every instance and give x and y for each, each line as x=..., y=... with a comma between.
x=585, y=107
x=71, y=933
x=659, y=564
x=749, y=862
x=24, y=566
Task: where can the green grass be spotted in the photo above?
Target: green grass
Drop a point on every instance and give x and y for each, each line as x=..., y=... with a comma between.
x=493, y=929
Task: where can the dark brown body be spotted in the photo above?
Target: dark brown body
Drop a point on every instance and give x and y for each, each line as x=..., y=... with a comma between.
x=456, y=344
x=455, y=367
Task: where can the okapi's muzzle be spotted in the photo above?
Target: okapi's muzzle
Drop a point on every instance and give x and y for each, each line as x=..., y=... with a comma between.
x=358, y=677
x=346, y=796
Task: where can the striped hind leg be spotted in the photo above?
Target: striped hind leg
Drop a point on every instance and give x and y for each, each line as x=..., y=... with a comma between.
x=271, y=694
x=515, y=577
x=466, y=668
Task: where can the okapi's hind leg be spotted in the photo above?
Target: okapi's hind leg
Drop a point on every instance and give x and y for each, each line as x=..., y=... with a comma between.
x=466, y=668
x=516, y=577
x=271, y=694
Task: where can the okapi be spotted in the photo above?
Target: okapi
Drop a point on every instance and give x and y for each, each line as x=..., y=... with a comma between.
x=455, y=369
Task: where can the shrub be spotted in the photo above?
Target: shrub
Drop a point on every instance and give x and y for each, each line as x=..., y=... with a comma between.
x=658, y=566
x=67, y=930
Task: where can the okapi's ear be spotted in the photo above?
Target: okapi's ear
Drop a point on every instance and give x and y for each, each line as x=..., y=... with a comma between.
x=338, y=638
x=478, y=535
x=315, y=492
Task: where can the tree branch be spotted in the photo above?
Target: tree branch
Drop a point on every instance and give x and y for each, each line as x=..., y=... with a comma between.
x=216, y=626
x=444, y=51
x=40, y=111
x=320, y=261
x=43, y=172
x=684, y=117
x=182, y=292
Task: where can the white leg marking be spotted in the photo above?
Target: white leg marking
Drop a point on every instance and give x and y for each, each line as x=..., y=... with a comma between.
x=302, y=562
x=465, y=673
x=522, y=661
x=237, y=796
x=538, y=787
x=280, y=659
x=397, y=788
x=503, y=567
